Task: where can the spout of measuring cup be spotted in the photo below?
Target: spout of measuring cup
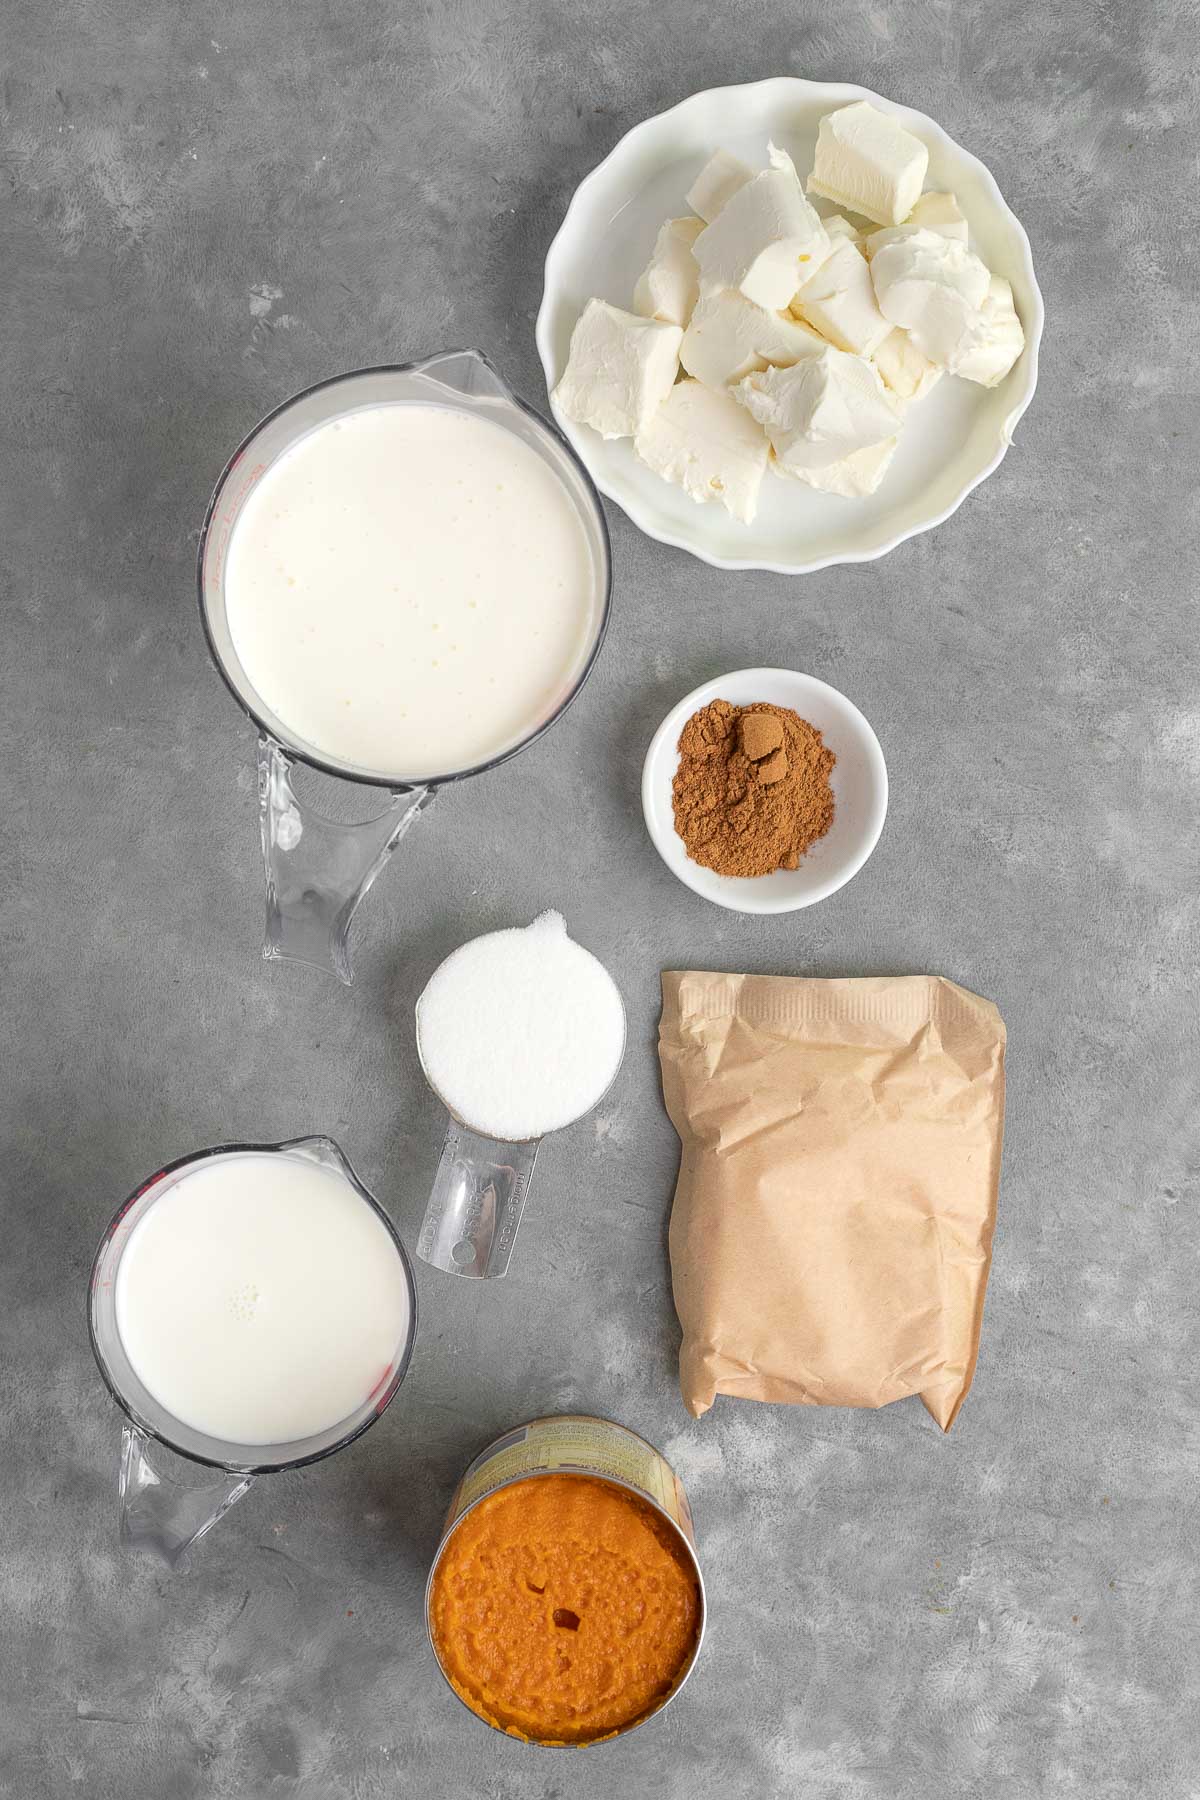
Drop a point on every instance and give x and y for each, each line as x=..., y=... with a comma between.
x=317, y=869
x=165, y=1509
x=465, y=372
x=476, y=1204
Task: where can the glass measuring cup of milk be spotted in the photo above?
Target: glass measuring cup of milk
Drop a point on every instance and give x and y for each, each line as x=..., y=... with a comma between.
x=405, y=579
x=252, y=1309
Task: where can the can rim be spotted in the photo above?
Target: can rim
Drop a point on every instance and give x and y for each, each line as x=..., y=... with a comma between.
x=592, y=1475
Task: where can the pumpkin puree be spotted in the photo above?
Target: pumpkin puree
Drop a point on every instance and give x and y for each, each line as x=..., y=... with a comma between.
x=563, y=1609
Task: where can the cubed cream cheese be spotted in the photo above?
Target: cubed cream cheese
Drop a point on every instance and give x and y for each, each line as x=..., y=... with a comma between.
x=838, y=300
x=932, y=285
x=821, y=410
x=762, y=238
x=620, y=369
x=669, y=284
x=779, y=159
x=728, y=337
x=717, y=182
x=866, y=161
x=854, y=476
x=939, y=212
x=995, y=339
x=837, y=225
x=708, y=445
x=908, y=373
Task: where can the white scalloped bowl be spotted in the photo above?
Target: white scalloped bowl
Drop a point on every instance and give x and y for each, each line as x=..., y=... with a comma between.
x=951, y=441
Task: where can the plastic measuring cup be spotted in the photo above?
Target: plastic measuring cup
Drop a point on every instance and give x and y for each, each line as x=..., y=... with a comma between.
x=174, y=1481
x=318, y=868
x=479, y=1192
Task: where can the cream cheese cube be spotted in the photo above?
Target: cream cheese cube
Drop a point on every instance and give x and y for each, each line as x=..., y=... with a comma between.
x=940, y=212
x=717, y=182
x=708, y=445
x=821, y=410
x=994, y=341
x=762, y=238
x=837, y=225
x=932, y=285
x=728, y=337
x=854, y=476
x=668, y=286
x=839, y=301
x=620, y=369
x=866, y=161
x=908, y=373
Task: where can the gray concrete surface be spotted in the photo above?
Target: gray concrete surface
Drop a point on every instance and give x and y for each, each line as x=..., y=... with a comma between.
x=205, y=209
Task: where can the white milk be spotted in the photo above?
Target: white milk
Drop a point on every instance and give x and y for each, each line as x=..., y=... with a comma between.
x=410, y=590
x=261, y=1299
x=521, y=1031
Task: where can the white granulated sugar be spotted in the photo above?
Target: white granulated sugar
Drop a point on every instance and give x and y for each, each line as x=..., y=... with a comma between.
x=520, y=1032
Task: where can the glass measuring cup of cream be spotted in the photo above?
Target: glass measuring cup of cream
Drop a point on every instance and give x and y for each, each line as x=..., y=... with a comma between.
x=405, y=579
x=252, y=1309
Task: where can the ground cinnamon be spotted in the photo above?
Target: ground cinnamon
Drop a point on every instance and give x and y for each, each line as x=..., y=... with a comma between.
x=752, y=791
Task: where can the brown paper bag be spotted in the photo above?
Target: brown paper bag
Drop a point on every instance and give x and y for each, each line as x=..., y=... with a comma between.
x=832, y=1226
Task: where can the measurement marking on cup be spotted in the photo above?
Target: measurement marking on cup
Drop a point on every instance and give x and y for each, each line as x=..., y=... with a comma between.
x=511, y=1216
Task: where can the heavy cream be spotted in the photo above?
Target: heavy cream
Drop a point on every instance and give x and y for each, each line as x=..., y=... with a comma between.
x=410, y=590
x=261, y=1299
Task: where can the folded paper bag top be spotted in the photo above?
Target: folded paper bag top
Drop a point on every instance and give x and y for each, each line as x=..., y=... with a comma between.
x=832, y=1225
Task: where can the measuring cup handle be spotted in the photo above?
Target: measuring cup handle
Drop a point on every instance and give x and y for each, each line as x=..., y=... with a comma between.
x=161, y=1513
x=476, y=1204
x=317, y=869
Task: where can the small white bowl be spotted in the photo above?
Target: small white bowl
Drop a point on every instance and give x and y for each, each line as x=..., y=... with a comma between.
x=949, y=443
x=859, y=782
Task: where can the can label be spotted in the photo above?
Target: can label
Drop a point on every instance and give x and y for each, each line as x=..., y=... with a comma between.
x=574, y=1444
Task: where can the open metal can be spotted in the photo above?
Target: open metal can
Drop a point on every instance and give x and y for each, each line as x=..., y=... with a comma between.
x=578, y=1444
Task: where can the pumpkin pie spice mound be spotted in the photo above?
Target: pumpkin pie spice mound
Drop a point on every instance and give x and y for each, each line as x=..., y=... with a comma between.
x=751, y=794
